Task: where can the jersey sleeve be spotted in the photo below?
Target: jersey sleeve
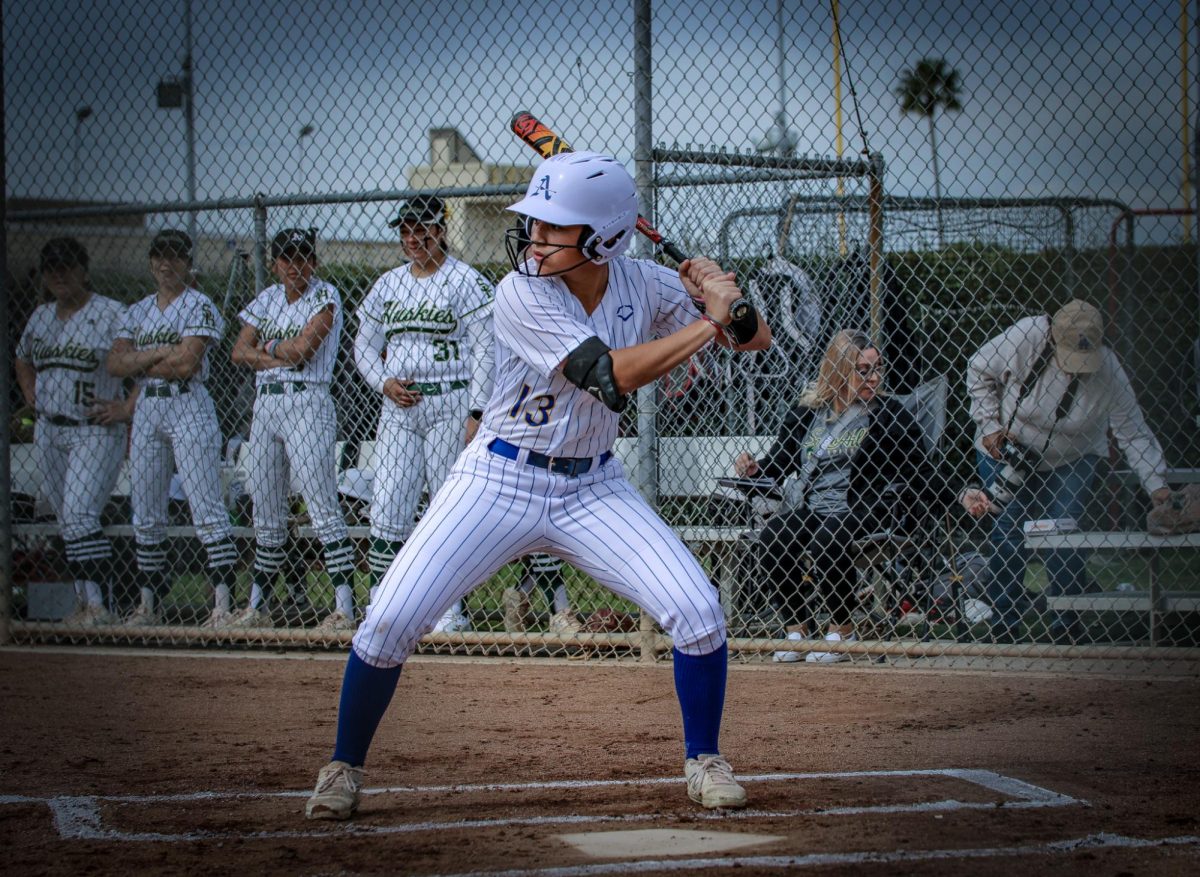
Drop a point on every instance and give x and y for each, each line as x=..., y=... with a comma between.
x=531, y=322
x=128, y=325
x=25, y=345
x=201, y=319
x=254, y=313
x=324, y=296
x=676, y=308
x=481, y=332
x=117, y=316
x=478, y=297
x=371, y=338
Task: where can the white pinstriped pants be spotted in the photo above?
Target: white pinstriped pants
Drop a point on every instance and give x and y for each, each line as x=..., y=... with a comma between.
x=79, y=470
x=178, y=431
x=414, y=449
x=294, y=433
x=492, y=510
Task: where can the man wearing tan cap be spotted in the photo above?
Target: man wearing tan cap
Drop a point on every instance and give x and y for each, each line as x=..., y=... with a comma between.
x=1044, y=394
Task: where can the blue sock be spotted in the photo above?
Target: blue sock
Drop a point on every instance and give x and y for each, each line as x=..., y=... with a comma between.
x=366, y=693
x=700, y=686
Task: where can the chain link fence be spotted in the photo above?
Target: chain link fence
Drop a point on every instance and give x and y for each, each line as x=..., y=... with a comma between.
x=930, y=175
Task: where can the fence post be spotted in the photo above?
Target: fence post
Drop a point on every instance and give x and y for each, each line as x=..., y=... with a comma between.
x=875, y=245
x=6, y=600
x=645, y=470
x=260, y=243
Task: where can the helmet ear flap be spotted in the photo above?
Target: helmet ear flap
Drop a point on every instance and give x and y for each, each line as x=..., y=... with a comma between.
x=589, y=240
x=528, y=228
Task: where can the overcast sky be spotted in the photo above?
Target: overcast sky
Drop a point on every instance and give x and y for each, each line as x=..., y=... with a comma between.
x=1059, y=98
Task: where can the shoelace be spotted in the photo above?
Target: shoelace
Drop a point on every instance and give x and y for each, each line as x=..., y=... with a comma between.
x=717, y=768
x=342, y=774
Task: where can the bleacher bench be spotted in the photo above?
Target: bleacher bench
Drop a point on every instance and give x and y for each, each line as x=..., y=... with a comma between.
x=1153, y=603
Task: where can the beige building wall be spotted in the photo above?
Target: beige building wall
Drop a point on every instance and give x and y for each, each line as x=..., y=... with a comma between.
x=475, y=226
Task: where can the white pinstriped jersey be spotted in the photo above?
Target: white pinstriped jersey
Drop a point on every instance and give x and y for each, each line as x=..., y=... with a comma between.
x=273, y=317
x=539, y=322
x=68, y=356
x=431, y=327
x=191, y=314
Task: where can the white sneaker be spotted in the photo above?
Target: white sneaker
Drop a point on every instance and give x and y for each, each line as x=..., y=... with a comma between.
x=452, y=622
x=787, y=657
x=337, y=793
x=831, y=657
x=976, y=611
x=90, y=616
x=516, y=610
x=218, y=619
x=565, y=623
x=143, y=617
x=251, y=617
x=336, y=621
x=710, y=782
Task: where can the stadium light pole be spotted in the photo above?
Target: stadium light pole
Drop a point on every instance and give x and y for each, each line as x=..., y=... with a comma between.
x=81, y=114
x=179, y=93
x=779, y=140
x=189, y=89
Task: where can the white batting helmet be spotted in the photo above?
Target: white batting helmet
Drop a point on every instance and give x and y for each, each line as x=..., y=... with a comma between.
x=588, y=189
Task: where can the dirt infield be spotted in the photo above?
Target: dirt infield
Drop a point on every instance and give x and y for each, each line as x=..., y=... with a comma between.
x=183, y=764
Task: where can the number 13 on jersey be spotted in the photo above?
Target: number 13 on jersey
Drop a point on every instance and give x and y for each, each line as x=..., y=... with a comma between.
x=537, y=408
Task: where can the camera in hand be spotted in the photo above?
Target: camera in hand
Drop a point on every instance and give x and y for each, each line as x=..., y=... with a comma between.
x=1019, y=463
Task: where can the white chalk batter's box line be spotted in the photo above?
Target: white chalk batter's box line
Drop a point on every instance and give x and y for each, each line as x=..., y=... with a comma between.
x=78, y=817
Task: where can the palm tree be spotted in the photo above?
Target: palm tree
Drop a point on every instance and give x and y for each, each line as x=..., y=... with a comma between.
x=931, y=84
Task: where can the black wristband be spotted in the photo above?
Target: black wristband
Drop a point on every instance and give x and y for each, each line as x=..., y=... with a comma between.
x=744, y=328
x=476, y=413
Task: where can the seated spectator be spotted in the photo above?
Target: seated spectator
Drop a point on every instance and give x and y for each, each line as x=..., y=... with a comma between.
x=855, y=454
x=1044, y=394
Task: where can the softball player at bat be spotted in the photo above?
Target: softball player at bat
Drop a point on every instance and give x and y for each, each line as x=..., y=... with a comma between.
x=578, y=328
x=289, y=336
x=424, y=333
x=538, y=571
x=164, y=344
x=80, y=431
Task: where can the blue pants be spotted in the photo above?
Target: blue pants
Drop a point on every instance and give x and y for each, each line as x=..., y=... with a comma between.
x=1062, y=492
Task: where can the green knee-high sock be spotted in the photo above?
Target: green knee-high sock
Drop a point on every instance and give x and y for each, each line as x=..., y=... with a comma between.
x=339, y=564
x=380, y=557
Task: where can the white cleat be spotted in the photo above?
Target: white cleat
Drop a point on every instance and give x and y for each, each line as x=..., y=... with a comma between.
x=710, y=783
x=336, y=621
x=452, y=622
x=337, y=793
x=250, y=618
x=143, y=617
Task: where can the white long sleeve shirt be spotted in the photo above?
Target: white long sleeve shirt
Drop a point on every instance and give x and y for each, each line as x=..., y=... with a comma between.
x=1103, y=400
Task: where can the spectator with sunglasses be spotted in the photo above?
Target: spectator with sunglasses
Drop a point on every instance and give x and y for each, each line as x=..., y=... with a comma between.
x=851, y=456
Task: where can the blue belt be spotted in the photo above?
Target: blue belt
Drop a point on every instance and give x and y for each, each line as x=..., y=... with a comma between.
x=572, y=466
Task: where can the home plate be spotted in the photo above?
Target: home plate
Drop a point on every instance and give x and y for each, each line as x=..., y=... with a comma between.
x=662, y=842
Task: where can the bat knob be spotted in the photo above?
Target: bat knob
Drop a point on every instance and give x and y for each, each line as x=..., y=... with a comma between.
x=739, y=309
